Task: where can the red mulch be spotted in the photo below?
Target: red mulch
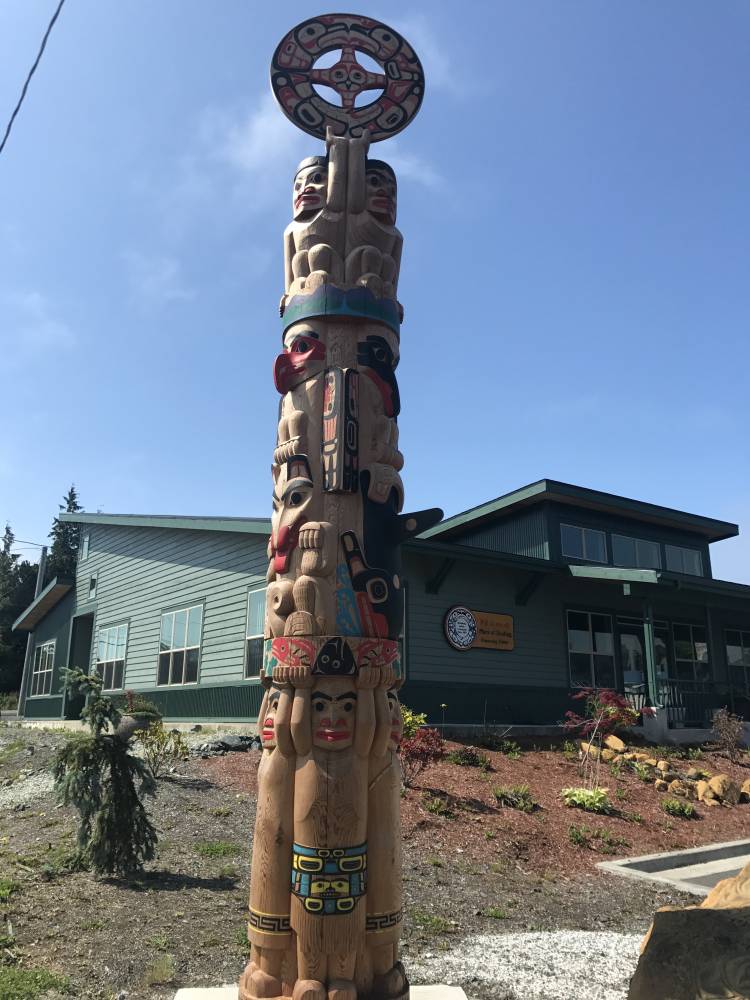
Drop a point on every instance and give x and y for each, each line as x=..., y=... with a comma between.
x=482, y=830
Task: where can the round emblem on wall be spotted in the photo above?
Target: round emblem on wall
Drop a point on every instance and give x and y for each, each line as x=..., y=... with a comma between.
x=460, y=627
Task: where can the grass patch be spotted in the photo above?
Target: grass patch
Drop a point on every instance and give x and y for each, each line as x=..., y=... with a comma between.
x=220, y=811
x=437, y=805
x=159, y=941
x=583, y=836
x=496, y=912
x=217, y=849
x=241, y=939
x=679, y=807
x=516, y=797
x=29, y=984
x=228, y=871
x=643, y=773
x=11, y=750
x=593, y=800
x=469, y=757
x=433, y=923
x=7, y=888
x=160, y=971
x=435, y=862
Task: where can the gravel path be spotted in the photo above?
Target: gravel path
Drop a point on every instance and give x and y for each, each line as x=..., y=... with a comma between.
x=25, y=790
x=586, y=965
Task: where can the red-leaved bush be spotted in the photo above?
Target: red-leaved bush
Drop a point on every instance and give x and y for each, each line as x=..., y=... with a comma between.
x=606, y=712
x=425, y=747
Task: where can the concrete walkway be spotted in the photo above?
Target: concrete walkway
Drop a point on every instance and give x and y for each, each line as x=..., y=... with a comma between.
x=230, y=993
x=696, y=870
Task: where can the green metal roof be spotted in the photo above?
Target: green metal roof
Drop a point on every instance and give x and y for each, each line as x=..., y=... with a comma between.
x=242, y=525
x=658, y=577
x=580, y=496
x=52, y=594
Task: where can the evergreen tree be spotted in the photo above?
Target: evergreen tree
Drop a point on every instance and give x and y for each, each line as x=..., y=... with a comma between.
x=17, y=584
x=65, y=536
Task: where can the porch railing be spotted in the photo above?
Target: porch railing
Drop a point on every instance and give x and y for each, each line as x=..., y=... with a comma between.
x=689, y=704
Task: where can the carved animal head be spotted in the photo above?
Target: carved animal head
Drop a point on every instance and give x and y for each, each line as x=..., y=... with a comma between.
x=304, y=356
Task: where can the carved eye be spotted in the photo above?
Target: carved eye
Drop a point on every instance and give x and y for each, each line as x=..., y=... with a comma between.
x=348, y=706
x=295, y=499
x=317, y=178
x=319, y=706
x=379, y=354
x=374, y=179
x=301, y=345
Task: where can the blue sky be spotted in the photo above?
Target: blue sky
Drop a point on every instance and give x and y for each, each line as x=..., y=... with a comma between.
x=574, y=202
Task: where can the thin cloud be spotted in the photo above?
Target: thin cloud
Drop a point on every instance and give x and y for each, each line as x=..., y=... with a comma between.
x=30, y=329
x=439, y=70
x=156, y=280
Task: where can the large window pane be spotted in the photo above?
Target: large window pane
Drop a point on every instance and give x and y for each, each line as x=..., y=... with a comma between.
x=119, y=671
x=194, y=626
x=692, y=562
x=601, y=626
x=163, y=677
x=648, y=554
x=571, y=539
x=734, y=647
x=623, y=551
x=180, y=626
x=254, y=658
x=122, y=635
x=580, y=670
x=167, y=622
x=256, y=612
x=604, y=671
x=595, y=545
x=178, y=660
x=111, y=643
x=107, y=676
x=191, y=666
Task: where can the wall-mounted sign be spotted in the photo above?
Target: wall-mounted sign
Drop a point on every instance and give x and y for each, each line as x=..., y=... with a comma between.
x=467, y=629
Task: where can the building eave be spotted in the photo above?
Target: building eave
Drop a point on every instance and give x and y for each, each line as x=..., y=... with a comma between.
x=240, y=525
x=52, y=594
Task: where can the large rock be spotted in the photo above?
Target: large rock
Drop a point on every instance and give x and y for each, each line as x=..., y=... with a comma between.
x=615, y=743
x=608, y=755
x=745, y=791
x=700, y=952
x=725, y=789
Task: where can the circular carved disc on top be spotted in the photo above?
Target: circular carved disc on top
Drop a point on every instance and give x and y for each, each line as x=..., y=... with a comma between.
x=294, y=76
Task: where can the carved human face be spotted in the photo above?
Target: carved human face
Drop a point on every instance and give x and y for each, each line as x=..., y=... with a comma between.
x=293, y=495
x=303, y=357
x=309, y=194
x=334, y=713
x=268, y=722
x=397, y=721
x=381, y=195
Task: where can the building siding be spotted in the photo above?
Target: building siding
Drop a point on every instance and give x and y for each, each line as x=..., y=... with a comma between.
x=524, y=535
x=142, y=572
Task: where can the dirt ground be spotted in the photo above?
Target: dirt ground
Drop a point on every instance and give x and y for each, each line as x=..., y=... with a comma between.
x=470, y=867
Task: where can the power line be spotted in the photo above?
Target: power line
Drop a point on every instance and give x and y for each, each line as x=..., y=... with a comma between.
x=31, y=73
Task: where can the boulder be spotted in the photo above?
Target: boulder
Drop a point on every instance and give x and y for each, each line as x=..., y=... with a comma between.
x=745, y=791
x=663, y=765
x=630, y=755
x=661, y=785
x=618, y=758
x=725, y=789
x=589, y=749
x=608, y=755
x=650, y=761
x=698, y=951
x=615, y=743
x=678, y=787
x=702, y=791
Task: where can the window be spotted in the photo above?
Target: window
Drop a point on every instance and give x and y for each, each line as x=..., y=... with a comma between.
x=637, y=552
x=179, y=647
x=84, y=550
x=583, y=543
x=738, y=658
x=110, y=656
x=681, y=560
x=591, y=651
x=92, y=587
x=44, y=661
x=256, y=616
x=691, y=653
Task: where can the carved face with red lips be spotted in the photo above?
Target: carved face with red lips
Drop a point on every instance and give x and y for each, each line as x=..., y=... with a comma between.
x=334, y=713
x=303, y=357
x=310, y=182
x=292, y=497
x=268, y=723
x=381, y=192
x=397, y=721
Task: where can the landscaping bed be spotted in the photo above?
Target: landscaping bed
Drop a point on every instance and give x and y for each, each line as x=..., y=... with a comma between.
x=472, y=866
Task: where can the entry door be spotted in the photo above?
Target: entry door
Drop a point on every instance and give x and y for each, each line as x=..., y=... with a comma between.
x=79, y=656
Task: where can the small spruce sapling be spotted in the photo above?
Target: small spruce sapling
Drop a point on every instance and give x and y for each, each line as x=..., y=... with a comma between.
x=96, y=773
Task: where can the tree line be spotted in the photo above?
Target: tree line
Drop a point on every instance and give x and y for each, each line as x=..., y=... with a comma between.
x=18, y=579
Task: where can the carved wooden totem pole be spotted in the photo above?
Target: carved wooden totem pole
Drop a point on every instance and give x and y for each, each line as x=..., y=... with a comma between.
x=325, y=894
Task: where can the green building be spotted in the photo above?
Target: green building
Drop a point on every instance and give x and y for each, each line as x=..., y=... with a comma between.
x=510, y=606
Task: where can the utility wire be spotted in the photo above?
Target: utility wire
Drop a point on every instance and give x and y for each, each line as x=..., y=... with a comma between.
x=31, y=73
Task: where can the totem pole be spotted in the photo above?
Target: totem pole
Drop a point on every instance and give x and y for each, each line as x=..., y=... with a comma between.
x=325, y=895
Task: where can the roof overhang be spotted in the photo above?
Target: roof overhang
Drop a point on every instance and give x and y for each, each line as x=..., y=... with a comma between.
x=579, y=496
x=674, y=581
x=241, y=525
x=52, y=594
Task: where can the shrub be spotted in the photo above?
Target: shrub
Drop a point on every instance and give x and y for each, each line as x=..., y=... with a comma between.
x=412, y=721
x=570, y=750
x=594, y=800
x=425, y=747
x=643, y=772
x=679, y=807
x=582, y=836
x=8, y=701
x=161, y=748
x=579, y=835
x=97, y=774
x=516, y=797
x=605, y=712
x=133, y=703
x=469, y=757
x=510, y=749
x=728, y=731
x=438, y=805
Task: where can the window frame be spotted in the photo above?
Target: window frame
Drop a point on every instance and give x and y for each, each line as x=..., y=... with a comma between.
x=592, y=652
x=83, y=552
x=742, y=669
x=48, y=670
x=682, y=549
x=254, y=589
x=583, y=529
x=93, y=577
x=636, y=539
x=676, y=660
x=175, y=610
x=102, y=663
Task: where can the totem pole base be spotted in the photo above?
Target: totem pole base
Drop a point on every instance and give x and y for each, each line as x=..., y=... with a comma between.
x=230, y=993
